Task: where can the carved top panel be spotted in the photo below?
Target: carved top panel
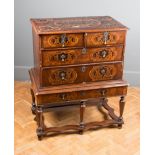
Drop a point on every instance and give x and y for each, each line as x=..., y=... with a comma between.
x=76, y=24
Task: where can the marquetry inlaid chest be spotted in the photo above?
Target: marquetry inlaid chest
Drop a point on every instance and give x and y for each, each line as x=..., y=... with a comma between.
x=77, y=60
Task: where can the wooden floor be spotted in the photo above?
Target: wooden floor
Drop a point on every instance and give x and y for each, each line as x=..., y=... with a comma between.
x=111, y=141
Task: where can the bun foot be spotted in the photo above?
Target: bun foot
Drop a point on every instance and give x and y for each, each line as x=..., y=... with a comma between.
x=81, y=132
x=40, y=138
x=119, y=126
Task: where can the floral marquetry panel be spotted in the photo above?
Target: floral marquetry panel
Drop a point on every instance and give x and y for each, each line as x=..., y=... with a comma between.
x=76, y=24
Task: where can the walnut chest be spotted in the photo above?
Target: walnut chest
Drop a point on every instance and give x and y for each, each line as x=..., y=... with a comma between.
x=76, y=60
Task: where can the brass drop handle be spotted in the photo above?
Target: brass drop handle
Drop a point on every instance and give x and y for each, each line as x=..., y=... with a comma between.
x=105, y=37
x=103, y=71
x=62, y=96
x=103, y=92
x=103, y=53
x=63, y=39
x=62, y=75
x=62, y=57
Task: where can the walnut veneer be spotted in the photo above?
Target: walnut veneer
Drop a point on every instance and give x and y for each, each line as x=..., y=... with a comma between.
x=77, y=60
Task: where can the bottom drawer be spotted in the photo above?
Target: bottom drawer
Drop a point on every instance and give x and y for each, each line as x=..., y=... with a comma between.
x=81, y=95
x=79, y=74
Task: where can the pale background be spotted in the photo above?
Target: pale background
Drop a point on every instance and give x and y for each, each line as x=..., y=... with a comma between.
x=127, y=12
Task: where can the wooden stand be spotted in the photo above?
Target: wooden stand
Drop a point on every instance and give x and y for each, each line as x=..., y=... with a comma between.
x=39, y=106
x=42, y=130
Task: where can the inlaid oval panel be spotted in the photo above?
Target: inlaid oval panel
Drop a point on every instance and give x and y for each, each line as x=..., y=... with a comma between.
x=79, y=74
x=61, y=40
x=78, y=56
x=105, y=38
x=104, y=72
x=60, y=76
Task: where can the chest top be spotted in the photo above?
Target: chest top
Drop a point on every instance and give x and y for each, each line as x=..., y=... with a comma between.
x=76, y=24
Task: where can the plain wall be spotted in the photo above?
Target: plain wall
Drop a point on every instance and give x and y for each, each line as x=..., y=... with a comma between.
x=125, y=11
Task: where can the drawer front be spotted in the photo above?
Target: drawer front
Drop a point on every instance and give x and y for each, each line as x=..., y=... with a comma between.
x=105, y=38
x=62, y=40
x=77, y=56
x=79, y=74
x=81, y=95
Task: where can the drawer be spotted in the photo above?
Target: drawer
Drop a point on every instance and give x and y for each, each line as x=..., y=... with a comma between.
x=77, y=56
x=82, y=95
x=79, y=74
x=105, y=38
x=61, y=40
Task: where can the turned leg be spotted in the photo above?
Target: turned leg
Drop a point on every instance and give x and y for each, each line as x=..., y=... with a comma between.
x=121, y=109
x=82, y=110
x=40, y=122
x=33, y=108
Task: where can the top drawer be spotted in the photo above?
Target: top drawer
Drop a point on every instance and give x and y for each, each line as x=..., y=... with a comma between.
x=62, y=40
x=105, y=38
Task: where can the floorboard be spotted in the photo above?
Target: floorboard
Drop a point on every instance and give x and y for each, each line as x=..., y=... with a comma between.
x=105, y=141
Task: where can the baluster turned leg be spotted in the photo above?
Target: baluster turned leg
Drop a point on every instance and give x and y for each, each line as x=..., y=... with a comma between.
x=40, y=122
x=121, y=107
x=33, y=108
x=82, y=110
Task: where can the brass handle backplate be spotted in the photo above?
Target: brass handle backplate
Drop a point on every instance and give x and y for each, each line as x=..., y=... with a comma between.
x=103, y=71
x=105, y=37
x=63, y=39
x=103, y=53
x=62, y=75
x=62, y=56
